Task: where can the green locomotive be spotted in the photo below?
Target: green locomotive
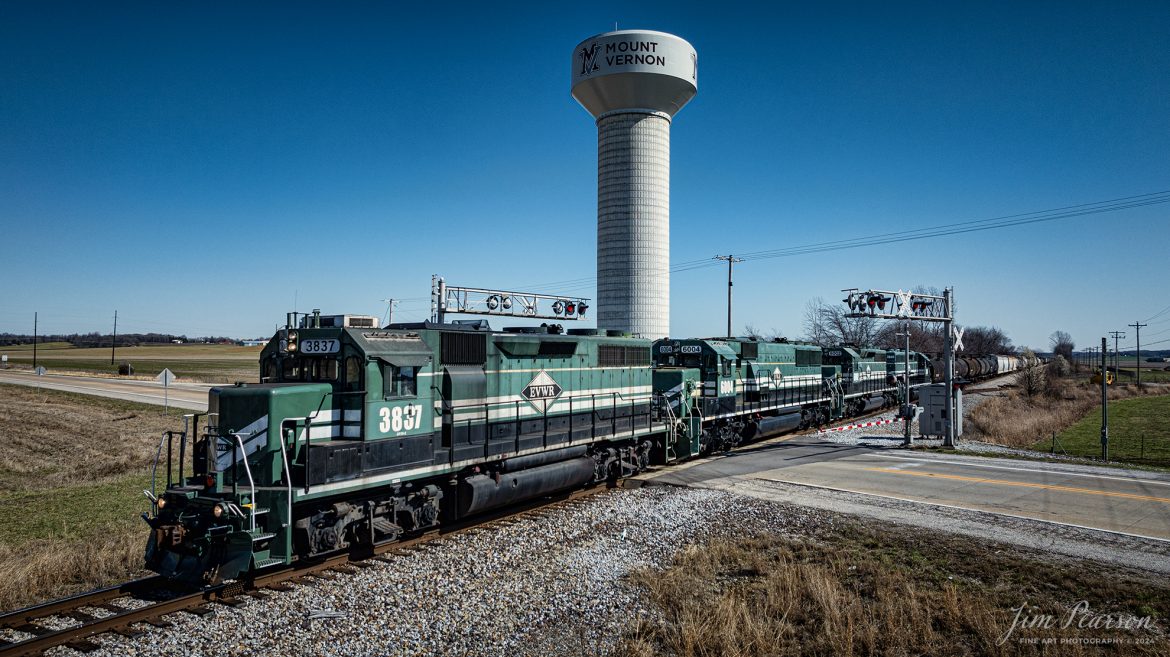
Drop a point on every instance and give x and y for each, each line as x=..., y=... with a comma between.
x=357, y=435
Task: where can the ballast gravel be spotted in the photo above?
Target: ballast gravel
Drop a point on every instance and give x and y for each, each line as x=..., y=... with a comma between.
x=553, y=584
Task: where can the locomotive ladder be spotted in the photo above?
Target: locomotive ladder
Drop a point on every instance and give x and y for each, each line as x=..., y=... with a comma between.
x=670, y=455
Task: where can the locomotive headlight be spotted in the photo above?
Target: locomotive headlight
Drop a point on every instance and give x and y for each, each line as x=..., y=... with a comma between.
x=217, y=511
x=292, y=341
x=162, y=501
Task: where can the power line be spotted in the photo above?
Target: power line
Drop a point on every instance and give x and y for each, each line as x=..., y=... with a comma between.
x=1157, y=314
x=941, y=230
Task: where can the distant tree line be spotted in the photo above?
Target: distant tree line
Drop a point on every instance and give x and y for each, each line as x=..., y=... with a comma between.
x=105, y=340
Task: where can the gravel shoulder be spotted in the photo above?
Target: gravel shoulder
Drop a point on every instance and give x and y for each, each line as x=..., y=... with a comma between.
x=558, y=583
x=549, y=585
x=1119, y=550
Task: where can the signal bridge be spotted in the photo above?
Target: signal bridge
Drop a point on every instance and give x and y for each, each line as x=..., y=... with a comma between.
x=909, y=306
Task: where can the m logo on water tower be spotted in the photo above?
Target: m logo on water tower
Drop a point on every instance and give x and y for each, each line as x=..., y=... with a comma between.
x=589, y=59
x=541, y=391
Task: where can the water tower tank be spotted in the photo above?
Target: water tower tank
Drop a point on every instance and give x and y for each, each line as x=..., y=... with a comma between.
x=633, y=82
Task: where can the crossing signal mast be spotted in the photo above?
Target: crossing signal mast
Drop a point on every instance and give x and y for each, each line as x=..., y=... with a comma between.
x=884, y=304
x=482, y=301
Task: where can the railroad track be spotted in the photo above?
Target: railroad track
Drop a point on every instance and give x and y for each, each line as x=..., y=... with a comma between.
x=72, y=621
x=45, y=624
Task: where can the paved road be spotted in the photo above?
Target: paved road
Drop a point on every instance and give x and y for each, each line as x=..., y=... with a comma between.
x=1114, y=500
x=191, y=396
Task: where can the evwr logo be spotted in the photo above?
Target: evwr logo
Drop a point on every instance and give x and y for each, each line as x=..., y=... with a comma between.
x=541, y=391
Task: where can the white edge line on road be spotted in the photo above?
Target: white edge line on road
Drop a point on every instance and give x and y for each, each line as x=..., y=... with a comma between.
x=112, y=394
x=965, y=508
x=1134, y=480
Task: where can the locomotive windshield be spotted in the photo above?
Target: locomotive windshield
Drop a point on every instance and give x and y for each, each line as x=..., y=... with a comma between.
x=301, y=368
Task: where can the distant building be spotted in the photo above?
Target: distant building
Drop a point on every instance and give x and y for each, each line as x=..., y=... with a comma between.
x=256, y=342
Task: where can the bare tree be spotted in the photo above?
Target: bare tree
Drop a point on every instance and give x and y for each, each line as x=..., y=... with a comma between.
x=750, y=331
x=987, y=340
x=1062, y=345
x=827, y=325
x=1032, y=378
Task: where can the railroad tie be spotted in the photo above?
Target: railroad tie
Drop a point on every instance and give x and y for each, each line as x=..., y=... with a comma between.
x=129, y=632
x=80, y=616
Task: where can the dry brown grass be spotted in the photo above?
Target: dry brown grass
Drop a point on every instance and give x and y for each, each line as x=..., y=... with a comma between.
x=55, y=568
x=51, y=439
x=72, y=469
x=856, y=592
x=1017, y=420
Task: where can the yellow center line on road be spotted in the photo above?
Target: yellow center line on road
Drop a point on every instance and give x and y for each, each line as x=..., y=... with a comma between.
x=1024, y=484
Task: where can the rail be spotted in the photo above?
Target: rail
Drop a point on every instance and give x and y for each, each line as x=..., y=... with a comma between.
x=124, y=619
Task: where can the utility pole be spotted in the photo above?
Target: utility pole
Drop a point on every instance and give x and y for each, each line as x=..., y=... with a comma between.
x=949, y=439
x=1138, y=327
x=34, y=340
x=390, y=303
x=730, y=261
x=1104, y=405
x=1116, y=361
x=908, y=439
x=114, y=343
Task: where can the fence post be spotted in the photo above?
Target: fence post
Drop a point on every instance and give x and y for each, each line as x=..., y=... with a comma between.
x=1053, y=451
x=1143, y=446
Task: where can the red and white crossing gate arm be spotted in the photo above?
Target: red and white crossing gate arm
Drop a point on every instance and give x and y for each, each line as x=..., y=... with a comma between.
x=860, y=426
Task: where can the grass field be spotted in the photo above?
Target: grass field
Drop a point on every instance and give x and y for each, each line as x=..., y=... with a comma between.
x=878, y=589
x=1139, y=432
x=72, y=471
x=1157, y=374
x=210, y=363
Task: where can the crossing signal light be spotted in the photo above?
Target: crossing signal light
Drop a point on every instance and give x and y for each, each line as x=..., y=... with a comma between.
x=920, y=304
x=570, y=308
x=581, y=308
x=877, y=300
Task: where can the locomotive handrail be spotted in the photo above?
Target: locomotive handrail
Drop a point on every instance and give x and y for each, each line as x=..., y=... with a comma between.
x=251, y=482
x=287, y=471
x=154, y=474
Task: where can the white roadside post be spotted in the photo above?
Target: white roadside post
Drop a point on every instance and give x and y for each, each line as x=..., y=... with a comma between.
x=165, y=377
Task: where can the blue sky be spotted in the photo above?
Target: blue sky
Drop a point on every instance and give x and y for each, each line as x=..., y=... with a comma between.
x=199, y=166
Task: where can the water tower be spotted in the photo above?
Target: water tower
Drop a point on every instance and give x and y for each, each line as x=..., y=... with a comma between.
x=633, y=82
